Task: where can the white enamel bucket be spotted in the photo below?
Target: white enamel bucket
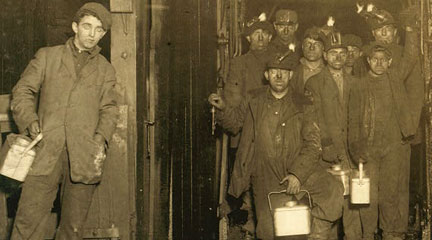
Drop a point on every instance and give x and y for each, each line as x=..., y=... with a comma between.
x=18, y=158
x=360, y=188
x=292, y=219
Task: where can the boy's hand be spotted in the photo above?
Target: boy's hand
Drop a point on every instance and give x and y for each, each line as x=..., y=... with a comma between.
x=217, y=101
x=293, y=184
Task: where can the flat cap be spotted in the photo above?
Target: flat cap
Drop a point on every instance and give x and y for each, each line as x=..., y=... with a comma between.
x=353, y=40
x=375, y=46
x=98, y=10
x=253, y=25
x=314, y=33
x=286, y=17
x=288, y=61
x=380, y=19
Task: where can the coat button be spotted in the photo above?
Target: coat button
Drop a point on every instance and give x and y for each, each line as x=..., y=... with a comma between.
x=276, y=113
x=283, y=124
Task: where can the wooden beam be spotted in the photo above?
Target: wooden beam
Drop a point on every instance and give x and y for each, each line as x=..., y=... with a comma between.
x=121, y=6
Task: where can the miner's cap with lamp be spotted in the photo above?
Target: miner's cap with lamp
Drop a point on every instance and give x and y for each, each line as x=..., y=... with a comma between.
x=287, y=60
x=286, y=17
x=375, y=18
x=98, y=10
x=379, y=19
x=334, y=40
x=259, y=22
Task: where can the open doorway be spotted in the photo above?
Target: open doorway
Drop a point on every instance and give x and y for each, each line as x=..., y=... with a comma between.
x=312, y=12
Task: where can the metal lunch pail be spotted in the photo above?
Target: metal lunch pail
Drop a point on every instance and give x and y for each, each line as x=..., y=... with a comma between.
x=291, y=219
x=337, y=171
x=18, y=156
x=360, y=188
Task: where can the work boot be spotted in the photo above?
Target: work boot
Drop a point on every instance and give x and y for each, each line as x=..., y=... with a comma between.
x=321, y=229
x=393, y=236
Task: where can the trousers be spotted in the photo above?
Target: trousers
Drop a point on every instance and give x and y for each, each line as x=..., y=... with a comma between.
x=36, y=202
x=389, y=191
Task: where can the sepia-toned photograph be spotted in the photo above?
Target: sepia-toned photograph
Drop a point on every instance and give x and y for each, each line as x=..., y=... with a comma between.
x=216, y=119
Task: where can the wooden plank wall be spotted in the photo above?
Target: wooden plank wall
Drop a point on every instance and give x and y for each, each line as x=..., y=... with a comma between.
x=183, y=51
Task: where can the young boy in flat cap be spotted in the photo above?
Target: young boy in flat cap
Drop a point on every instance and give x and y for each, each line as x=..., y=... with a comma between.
x=354, y=46
x=279, y=150
x=380, y=128
x=77, y=114
x=385, y=31
x=312, y=61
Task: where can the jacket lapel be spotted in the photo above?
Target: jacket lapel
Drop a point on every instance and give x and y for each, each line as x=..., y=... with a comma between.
x=89, y=68
x=92, y=63
x=346, y=90
x=67, y=60
x=332, y=88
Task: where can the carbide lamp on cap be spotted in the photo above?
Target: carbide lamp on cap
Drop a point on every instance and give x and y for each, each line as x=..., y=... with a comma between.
x=259, y=22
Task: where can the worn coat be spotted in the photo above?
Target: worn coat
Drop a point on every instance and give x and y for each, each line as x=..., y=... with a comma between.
x=246, y=73
x=298, y=81
x=361, y=116
x=72, y=109
x=281, y=137
x=332, y=113
x=302, y=136
x=381, y=124
x=414, y=76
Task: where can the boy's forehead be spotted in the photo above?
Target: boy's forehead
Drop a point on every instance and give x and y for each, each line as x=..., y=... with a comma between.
x=337, y=50
x=387, y=27
x=379, y=53
x=260, y=30
x=353, y=48
x=89, y=19
x=308, y=39
x=275, y=69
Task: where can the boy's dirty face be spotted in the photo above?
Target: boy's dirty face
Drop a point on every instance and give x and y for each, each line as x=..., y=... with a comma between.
x=352, y=55
x=286, y=31
x=385, y=34
x=336, y=58
x=379, y=62
x=259, y=39
x=312, y=49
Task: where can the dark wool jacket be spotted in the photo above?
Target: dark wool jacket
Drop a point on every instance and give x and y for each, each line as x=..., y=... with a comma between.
x=332, y=113
x=300, y=134
x=361, y=110
x=246, y=73
x=72, y=108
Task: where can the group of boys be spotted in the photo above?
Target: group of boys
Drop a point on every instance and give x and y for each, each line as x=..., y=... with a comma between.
x=340, y=103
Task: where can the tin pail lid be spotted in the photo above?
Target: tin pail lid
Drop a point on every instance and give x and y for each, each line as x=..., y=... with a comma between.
x=293, y=208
